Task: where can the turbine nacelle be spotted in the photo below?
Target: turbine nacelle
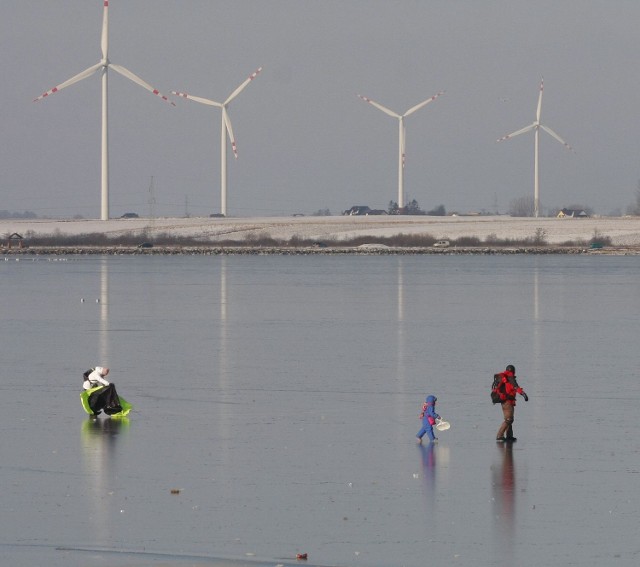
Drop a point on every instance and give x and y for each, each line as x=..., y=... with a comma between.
x=105, y=64
x=401, y=135
x=226, y=131
x=536, y=126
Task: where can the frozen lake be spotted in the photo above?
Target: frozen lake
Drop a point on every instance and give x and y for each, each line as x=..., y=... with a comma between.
x=276, y=401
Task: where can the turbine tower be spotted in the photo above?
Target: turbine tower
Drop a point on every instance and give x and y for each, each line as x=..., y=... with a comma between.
x=401, y=137
x=536, y=126
x=103, y=66
x=224, y=130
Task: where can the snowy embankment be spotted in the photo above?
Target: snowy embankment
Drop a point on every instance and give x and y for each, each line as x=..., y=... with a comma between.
x=622, y=231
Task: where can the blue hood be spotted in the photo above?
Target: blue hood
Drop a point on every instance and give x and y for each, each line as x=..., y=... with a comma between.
x=431, y=399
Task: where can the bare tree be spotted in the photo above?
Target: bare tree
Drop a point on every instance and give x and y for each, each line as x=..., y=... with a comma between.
x=634, y=208
x=412, y=208
x=521, y=207
x=438, y=211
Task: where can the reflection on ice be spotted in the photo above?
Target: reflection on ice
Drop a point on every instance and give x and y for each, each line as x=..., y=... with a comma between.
x=434, y=460
x=503, y=482
x=266, y=384
x=104, y=431
x=99, y=441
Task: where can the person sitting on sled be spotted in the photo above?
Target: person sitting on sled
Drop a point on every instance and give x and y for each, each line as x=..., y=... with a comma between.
x=428, y=417
x=100, y=393
x=95, y=377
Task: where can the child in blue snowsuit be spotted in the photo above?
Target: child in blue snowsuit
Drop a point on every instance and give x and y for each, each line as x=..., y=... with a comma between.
x=429, y=417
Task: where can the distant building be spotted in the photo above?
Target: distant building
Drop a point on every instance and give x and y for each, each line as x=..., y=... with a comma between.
x=357, y=210
x=15, y=238
x=572, y=213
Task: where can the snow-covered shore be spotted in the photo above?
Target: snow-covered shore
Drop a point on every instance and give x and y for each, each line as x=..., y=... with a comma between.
x=622, y=231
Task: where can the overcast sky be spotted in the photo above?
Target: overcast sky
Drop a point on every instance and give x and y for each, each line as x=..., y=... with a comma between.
x=305, y=140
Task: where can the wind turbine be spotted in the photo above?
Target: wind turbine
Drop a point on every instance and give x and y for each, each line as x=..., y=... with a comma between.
x=103, y=66
x=536, y=126
x=401, y=137
x=224, y=130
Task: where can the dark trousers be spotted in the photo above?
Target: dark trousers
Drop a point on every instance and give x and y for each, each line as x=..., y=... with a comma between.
x=105, y=399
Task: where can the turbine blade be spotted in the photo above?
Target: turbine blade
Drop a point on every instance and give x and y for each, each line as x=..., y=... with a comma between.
x=197, y=99
x=104, y=40
x=540, y=101
x=82, y=75
x=132, y=77
x=227, y=123
x=419, y=106
x=517, y=132
x=379, y=106
x=235, y=93
x=552, y=133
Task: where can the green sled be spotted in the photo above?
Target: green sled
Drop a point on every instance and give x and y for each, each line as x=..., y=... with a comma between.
x=84, y=398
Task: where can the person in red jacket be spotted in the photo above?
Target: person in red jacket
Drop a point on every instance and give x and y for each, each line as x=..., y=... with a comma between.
x=507, y=389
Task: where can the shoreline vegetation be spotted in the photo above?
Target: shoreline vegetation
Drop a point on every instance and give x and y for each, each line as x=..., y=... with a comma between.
x=361, y=251
x=167, y=244
x=330, y=235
